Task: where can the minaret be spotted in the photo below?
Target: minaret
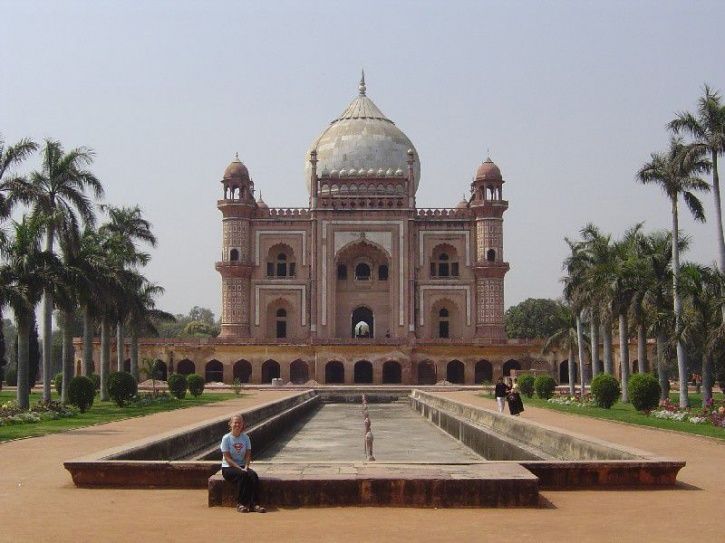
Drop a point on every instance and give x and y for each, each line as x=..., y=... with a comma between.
x=490, y=268
x=237, y=207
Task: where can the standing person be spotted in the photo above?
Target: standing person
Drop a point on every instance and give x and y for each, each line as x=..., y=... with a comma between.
x=501, y=392
x=236, y=456
x=516, y=406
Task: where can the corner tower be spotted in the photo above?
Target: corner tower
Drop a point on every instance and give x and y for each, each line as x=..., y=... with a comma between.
x=488, y=206
x=238, y=208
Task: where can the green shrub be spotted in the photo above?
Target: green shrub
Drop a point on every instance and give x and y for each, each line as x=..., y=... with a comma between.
x=644, y=391
x=58, y=383
x=96, y=379
x=526, y=385
x=605, y=390
x=544, y=386
x=237, y=386
x=11, y=376
x=177, y=385
x=121, y=387
x=196, y=384
x=81, y=392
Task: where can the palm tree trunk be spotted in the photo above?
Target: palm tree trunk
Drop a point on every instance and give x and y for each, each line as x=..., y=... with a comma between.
x=68, y=354
x=105, y=357
x=572, y=372
x=662, y=365
x=134, y=353
x=624, y=355
x=641, y=348
x=23, y=390
x=681, y=354
x=47, y=326
x=120, y=344
x=595, y=343
x=718, y=218
x=707, y=379
x=88, y=366
x=580, y=343
x=607, y=344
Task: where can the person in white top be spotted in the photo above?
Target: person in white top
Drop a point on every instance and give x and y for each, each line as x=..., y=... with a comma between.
x=236, y=456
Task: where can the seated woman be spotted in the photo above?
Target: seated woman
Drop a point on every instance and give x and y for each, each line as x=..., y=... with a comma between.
x=236, y=456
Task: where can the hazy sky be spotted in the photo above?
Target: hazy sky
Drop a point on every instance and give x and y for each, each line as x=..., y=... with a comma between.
x=569, y=97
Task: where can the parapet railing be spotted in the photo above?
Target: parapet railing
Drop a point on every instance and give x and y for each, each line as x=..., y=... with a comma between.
x=452, y=212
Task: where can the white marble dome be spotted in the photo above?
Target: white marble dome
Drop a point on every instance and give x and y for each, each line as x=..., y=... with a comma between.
x=362, y=139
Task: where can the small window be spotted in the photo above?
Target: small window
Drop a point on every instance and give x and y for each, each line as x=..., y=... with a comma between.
x=270, y=269
x=443, y=329
x=443, y=312
x=433, y=269
x=281, y=312
x=234, y=255
x=491, y=255
x=281, y=329
x=383, y=272
x=443, y=269
x=454, y=269
x=362, y=272
x=342, y=272
x=292, y=269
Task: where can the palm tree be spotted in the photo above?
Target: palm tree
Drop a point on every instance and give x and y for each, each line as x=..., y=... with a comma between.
x=13, y=187
x=676, y=172
x=655, y=254
x=127, y=226
x=565, y=339
x=707, y=128
x=143, y=317
x=703, y=290
x=26, y=271
x=59, y=192
x=578, y=296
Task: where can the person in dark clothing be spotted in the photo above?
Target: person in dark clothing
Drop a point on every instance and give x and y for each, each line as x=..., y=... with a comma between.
x=516, y=406
x=501, y=392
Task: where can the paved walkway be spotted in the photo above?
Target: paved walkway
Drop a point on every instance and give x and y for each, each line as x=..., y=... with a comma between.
x=38, y=501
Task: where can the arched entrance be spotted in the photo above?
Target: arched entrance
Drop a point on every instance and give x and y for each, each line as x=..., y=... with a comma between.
x=270, y=370
x=484, y=372
x=299, y=372
x=564, y=372
x=334, y=373
x=510, y=365
x=363, y=372
x=426, y=373
x=185, y=367
x=214, y=372
x=160, y=370
x=242, y=370
x=455, y=372
x=392, y=373
x=362, y=316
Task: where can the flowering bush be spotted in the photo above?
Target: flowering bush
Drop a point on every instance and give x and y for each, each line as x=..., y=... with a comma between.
x=575, y=400
x=10, y=412
x=715, y=415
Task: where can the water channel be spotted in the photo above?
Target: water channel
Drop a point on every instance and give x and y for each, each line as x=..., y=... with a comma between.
x=335, y=431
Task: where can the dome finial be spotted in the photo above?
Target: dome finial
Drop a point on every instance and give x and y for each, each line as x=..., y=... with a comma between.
x=362, y=87
x=236, y=157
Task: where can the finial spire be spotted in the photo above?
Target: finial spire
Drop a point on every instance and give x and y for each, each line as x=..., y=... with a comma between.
x=362, y=87
x=236, y=157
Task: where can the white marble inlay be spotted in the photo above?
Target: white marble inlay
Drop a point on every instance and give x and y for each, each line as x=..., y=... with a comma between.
x=303, y=294
x=465, y=288
x=281, y=234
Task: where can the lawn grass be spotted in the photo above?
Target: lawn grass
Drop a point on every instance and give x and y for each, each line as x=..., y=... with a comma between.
x=100, y=413
x=624, y=412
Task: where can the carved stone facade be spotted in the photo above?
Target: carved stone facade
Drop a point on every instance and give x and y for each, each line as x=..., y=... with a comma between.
x=362, y=286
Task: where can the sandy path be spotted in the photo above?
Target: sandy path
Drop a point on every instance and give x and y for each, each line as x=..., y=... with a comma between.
x=38, y=501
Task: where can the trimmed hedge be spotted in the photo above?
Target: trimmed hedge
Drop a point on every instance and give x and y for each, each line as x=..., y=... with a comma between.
x=605, y=390
x=96, y=379
x=121, y=387
x=526, y=385
x=195, y=383
x=81, y=392
x=544, y=385
x=644, y=391
x=177, y=385
x=11, y=376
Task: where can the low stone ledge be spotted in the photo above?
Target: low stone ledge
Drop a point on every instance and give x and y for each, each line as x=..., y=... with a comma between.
x=390, y=485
